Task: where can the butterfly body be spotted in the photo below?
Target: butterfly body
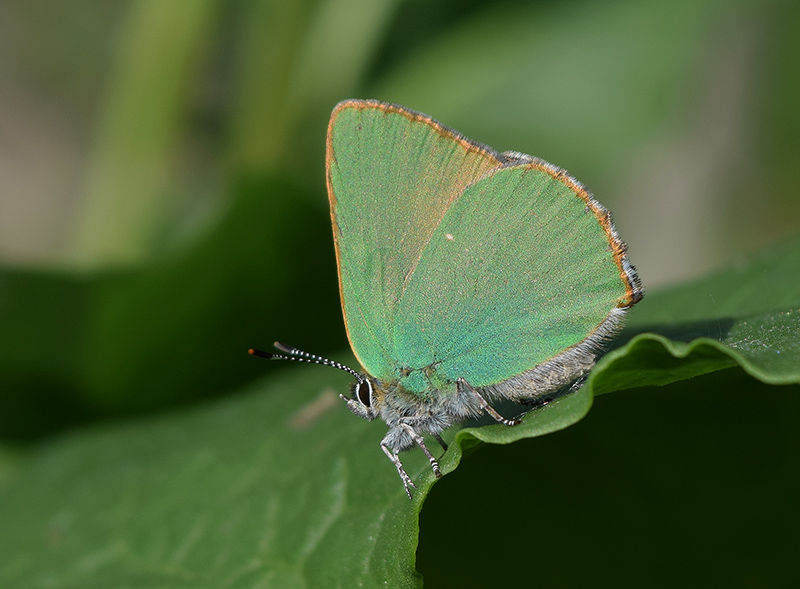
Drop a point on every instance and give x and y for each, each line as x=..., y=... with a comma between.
x=398, y=407
x=466, y=275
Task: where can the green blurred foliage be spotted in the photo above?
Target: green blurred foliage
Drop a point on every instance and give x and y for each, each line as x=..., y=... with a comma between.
x=163, y=209
x=198, y=226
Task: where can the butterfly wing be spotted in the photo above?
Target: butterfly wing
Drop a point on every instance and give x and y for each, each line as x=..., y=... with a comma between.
x=524, y=265
x=392, y=175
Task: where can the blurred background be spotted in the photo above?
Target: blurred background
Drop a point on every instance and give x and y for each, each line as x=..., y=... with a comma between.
x=162, y=191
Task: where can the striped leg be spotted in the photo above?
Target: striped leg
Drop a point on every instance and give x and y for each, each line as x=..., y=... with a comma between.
x=421, y=443
x=407, y=482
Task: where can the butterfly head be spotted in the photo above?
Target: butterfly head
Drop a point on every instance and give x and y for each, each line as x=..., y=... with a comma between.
x=363, y=401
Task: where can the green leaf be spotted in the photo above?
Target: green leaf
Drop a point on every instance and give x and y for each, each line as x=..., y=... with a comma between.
x=281, y=486
x=692, y=484
x=277, y=487
x=748, y=315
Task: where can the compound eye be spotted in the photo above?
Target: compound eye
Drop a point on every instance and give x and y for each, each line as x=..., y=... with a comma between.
x=364, y=392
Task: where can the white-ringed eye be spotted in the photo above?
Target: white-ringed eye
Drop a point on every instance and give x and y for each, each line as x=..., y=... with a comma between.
x=364, y=392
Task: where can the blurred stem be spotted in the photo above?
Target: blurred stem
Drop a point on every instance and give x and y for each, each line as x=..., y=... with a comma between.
x=297, y=58
x=342, y=39
x=270, y=34
x=131, y=159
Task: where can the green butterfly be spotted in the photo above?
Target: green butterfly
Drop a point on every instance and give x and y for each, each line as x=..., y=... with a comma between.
x=466, y=275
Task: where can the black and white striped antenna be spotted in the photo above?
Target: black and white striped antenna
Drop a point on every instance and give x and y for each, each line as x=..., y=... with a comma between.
x=296, y=355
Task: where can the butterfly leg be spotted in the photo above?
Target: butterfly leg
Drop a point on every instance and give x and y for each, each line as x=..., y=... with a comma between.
x=421, y=443
x=407, y=482
x=442, y=443
x=535, y=403
x=485, y=405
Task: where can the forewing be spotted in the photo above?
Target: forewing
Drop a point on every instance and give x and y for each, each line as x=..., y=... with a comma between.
x=392, y=175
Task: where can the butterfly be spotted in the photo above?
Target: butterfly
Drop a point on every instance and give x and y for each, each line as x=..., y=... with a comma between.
x=466, y=276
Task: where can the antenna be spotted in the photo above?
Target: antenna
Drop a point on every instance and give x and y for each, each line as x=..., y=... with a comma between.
x=296, y=355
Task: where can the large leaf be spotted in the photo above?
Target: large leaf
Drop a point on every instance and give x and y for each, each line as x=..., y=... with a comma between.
x=276, y=487
x=281, y=486
x=692, y=484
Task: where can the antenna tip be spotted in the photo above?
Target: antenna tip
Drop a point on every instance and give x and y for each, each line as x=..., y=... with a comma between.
x=259, y=353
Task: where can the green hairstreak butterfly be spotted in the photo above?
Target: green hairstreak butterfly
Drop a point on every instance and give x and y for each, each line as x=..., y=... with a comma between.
x=466, y=275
